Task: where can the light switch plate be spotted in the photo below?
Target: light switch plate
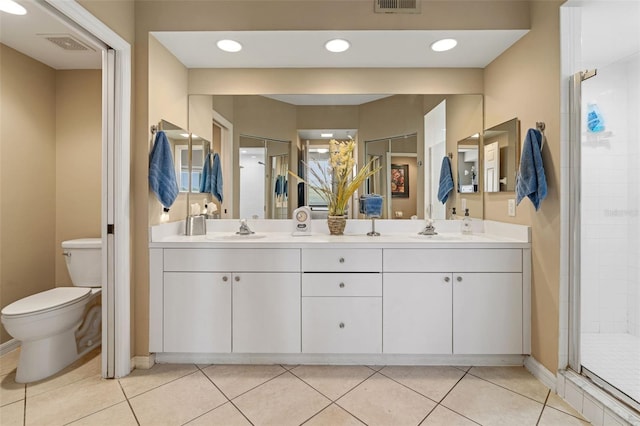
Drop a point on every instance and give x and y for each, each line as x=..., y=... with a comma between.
x=511, y=209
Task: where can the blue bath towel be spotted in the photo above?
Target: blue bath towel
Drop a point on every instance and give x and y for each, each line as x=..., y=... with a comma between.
x=446, y=180
x=371, y=205
x=162, y=175
x=205, y=179
x=531, y=181
x=216, y=178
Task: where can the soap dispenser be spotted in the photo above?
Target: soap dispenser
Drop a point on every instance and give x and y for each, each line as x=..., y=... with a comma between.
x=453, y=214
x=466, y=223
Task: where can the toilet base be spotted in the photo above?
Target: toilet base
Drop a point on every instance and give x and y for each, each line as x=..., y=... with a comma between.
x=42, y=358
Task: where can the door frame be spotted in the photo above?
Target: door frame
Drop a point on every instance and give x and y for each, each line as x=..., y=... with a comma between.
x=115, y=222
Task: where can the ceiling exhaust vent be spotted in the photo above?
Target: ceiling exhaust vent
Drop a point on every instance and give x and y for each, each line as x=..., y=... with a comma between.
x=66, y=42
x=397, y=6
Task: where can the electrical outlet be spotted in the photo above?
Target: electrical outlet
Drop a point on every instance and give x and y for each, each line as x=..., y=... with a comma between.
x=511, y=210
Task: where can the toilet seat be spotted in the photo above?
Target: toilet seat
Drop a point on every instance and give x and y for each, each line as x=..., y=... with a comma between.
x=46, y=301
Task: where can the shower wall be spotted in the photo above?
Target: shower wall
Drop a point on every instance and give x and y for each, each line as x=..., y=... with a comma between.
x=610, y=201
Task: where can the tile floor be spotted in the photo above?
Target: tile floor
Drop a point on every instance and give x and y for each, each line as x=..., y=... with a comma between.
x=179, y=394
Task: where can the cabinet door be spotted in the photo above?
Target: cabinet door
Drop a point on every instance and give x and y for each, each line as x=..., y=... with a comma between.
x=266, y=312
x=342, y=325
x=487, y=313
x=197, y=312
x=417, y=313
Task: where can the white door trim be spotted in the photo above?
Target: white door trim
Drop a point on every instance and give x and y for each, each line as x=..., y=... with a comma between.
x=117, y=128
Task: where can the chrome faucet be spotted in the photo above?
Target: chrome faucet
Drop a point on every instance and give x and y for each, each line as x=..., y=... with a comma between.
x=429, y=229
x=244, y=228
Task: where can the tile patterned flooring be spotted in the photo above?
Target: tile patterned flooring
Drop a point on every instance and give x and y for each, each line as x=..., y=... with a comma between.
x=188, y=394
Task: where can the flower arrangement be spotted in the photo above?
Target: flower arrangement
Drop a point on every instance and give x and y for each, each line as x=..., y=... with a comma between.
x=337, y=182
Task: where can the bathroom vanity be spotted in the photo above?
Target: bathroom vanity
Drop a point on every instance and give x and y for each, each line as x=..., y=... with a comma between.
x=396, y=298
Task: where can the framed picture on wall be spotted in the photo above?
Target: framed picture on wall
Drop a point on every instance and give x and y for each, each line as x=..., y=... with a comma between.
x=400, y=180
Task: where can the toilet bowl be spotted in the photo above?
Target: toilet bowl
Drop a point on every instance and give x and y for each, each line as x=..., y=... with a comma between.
x=58, y=326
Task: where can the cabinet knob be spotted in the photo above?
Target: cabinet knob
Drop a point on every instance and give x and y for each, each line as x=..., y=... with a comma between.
x=341, y=285
x=341, y=260
x=341, y=325
x=236, y=278
x=459, y=279
x=225, y=278
x=447, y=279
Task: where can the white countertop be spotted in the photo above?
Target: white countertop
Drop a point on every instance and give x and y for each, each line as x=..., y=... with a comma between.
x=394, y=234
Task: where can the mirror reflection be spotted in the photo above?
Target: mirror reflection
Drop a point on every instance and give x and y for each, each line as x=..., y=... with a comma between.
x=264, y=178
x=394, y=129
x=468, y=164
x=501, y=151
x=397, y=180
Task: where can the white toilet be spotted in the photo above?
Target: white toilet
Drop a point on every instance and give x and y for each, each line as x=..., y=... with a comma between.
x=58, y=326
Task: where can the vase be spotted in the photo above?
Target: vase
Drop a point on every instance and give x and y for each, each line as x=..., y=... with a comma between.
x=336, y=224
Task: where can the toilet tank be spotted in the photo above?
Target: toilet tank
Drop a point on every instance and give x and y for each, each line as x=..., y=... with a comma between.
x=84, y=261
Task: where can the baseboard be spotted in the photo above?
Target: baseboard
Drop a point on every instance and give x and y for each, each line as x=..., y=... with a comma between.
x=338, y=359
x=540, y=372
x=8, y=346
x=143, y=362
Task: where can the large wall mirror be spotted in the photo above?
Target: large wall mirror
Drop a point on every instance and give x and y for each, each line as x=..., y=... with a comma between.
x=389, y=127
x=500, y=161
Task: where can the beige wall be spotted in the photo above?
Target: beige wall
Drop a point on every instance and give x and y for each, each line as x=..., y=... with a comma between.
x=168, y=100
x=78, y=160
x=27, y=177
x=50, y=172
x=283, y=15
x=524, y=82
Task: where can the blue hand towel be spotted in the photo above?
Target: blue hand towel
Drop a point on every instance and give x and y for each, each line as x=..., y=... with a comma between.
x=531, y=181
x=216, y=178
x=371, y=205
x=205, y=179
x=162, y=175
x=446, y=180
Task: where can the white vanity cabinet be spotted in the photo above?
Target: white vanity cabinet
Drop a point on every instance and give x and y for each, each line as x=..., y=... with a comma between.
x=225, y=300
x=460, y=301
x=342, y=301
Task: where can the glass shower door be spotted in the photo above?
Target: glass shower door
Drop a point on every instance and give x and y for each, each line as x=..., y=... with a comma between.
x=608, y=230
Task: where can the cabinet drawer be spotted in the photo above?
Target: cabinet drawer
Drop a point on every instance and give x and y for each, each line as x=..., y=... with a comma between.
x=232, y=260
x=452, y=260
x=315, y=284
x=341, y=260
x=342, y=325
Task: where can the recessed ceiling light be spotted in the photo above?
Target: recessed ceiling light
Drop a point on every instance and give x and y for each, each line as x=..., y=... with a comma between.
x=326, y=135
x=322, y=150
x=337, y=45
x=12, y=7
x=184, y=135
x=444, y=44
x=229, y=45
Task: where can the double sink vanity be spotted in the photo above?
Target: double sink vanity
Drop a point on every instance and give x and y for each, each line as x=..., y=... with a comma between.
x=398, y=298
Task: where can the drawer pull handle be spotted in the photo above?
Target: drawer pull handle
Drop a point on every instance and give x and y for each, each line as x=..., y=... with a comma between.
x=341, y=260
x=459, y=279
x=237, y=278
x=341, y=285
x=225, y=278
x=447, y=279
x=341, y=325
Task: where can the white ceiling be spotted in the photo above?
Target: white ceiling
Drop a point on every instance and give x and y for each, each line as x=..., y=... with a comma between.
x=25, y=33
x=369, y=49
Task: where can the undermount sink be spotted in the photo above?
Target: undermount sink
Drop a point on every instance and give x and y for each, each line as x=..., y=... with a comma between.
x=235, y=236
x=438, y=237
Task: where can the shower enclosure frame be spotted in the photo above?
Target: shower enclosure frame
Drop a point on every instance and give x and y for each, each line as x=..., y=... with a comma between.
x=575, y=223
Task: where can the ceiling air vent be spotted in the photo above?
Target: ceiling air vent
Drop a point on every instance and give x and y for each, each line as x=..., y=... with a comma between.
x=397, y=6
x=66, y=42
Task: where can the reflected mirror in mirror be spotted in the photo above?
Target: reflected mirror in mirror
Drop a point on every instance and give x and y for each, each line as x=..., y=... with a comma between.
x=468, y=164
x=500, y=160
x=264, y=178
x=397, y=179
